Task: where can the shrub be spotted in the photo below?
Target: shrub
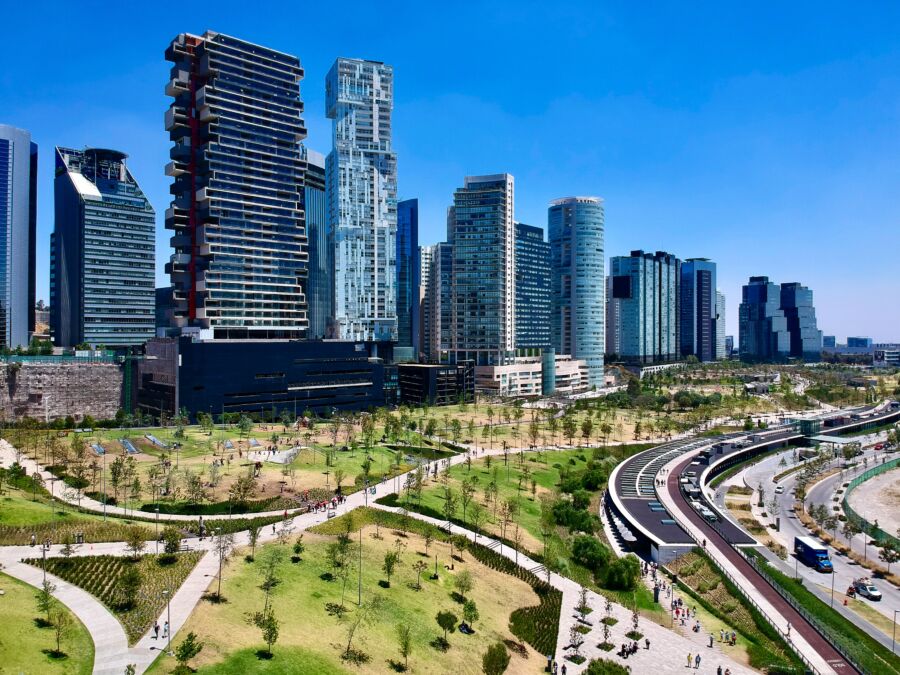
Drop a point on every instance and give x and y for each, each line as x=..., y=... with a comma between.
x=589, y=552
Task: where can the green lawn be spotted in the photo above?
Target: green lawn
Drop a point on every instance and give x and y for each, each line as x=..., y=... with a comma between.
x=24, y=646
x=312, y=639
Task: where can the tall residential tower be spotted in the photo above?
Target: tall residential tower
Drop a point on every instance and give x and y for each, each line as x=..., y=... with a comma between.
x=362, y=198
x=408, y=278
x=240, y=263
x=532, y=288
x=577, y=264
x=698, y=308
x=102, y=280
x=320, y=287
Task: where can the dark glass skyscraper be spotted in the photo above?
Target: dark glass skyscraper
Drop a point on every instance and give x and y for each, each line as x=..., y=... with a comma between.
x=320, y=287
x=102, y=252
x=806, y=338
x=532, y=288
x=762, y=324
x=408, y=274
x=240, y=264
x=698, y=308
x=18, y=231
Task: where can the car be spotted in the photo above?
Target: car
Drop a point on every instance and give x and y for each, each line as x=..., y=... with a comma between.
x=779, y=490
x=866, y=589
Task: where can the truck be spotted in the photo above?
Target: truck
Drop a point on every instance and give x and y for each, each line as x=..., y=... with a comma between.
x=813, y=553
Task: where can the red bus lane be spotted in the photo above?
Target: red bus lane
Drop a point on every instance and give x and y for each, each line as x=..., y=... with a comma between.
x=798, y=623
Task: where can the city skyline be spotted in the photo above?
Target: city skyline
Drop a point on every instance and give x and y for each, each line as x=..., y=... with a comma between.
x=757, y=156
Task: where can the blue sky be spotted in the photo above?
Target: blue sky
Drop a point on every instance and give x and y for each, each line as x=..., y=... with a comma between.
x=765, y=138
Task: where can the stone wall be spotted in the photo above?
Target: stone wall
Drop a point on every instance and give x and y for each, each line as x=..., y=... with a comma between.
x=47, y=390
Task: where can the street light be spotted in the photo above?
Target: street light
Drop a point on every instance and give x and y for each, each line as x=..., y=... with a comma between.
x=167, y=596
x=894, y=635
x=157, y=528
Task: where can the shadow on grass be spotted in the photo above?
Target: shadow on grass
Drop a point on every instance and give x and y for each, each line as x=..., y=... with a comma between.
x=264, y=655
x=41, y=622
x=396, y=666
x=327, y=576
x=214, y=598
x=55, y=655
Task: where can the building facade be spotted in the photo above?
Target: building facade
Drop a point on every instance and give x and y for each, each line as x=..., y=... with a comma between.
x=613, y=312
x=698, y=308
x=575, y=227
x=362, y=198
x=482, y=235
x=426, y=260
x=103, y=252
x=859, y=342
x=532, y=288
x=240, y=263
x=408, y=277
x=721, y=350
x=18, y=235
x=647, y=287
x=763, y=331
x=437, y=303
x=805, y=336
x=436, y=384
x=320, y=286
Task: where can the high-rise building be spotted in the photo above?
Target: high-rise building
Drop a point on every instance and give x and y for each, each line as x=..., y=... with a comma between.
x=240, y=264
x=482, y=234
x=797, y=305
x=437, y=301
x=18, y=234
x=362, y=198
x=426, y=260
x=577, y=261
x=829, y=342
x=532, y=288
x=647, y=286
x=729, y=346
x=103, y=248
x=613, y=312
x=408, y=276
x=320, y=286
x=698, y=308
x=721, y=350
x=763, y=331
x=855, y=342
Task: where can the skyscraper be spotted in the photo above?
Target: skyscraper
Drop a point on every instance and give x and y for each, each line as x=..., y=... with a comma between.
x=483, y=279
x=698, y=308
x=577, y=263
x=426, y=260
x=361, y=173
x=613, y=312
x=532, y=288
x=763, y=332
x=102, y=252
x=320, y=287
x=647, y=286
x=721, y=349
x=240, y=264
x=408, y=276
x=18, y=231
x=797, y=305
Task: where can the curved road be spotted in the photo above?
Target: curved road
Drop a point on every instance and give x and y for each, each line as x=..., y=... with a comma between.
x=760, y=585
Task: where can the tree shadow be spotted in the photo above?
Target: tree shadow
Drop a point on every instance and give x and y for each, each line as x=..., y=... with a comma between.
x=41, y=622
x=264, y=655
x=458, y=597
x=396, y=666
x=55, y=655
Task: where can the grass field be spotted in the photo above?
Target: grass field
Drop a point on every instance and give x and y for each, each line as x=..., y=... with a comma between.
x=24, y=647
x=312, y=640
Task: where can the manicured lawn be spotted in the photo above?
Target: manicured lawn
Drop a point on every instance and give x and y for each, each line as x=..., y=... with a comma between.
x=24, y=647
x=312, y=640
x=100, y=576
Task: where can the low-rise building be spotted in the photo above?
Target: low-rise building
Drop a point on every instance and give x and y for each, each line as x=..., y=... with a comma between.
x=436, y=384
x=524, y=376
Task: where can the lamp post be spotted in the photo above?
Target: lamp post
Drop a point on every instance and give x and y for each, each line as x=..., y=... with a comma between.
x=157, y=528
x=168, y=596
x=894, y=634
x=832, y=587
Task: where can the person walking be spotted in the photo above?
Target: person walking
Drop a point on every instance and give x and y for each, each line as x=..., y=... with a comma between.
x=646, y=643
x=690, y=659
x=711, y=640
x=156, y=630
x=719, y=670
x=697, y=662
x=165, y=633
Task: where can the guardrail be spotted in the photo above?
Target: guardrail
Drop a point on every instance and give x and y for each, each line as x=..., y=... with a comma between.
x=861, y=523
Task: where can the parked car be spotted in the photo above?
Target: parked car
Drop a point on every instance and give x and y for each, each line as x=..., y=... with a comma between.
x=779, y=490
x=866, y=589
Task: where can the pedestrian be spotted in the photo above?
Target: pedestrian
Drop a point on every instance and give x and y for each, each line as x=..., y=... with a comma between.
x=721, y=635
x=564, y=669
x=697, y=662
x=165, y=630
x=156, y=630
x=789, y=629
x=32, y=538
x=690, y=659
x=646, y=643
x=711, y=640
x=719, y=670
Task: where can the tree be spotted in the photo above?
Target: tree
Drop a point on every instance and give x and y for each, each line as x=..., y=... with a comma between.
x=134, y=542
x=889, y=555
x=45, y=600
x=463, y=582
x=171, y=537
x=339, y=478
x=479, y=518
x=849, y=531
x=223, y=546
x=404, y=642
x=470, y=612
x=367, y=612
x=188, y=649
x=391, y=560
x=419, y=566
x=62, y=623
x=495, y=660
x=447, y=621
x=268, y=624
x=253, y=534
x=128, y=586
x=243, y=489
x=299, y=548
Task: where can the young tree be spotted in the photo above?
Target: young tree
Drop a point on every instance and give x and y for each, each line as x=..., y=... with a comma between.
x=367, y=612
x=188, y=649
x=391, y=560
x=495, y=660
x=470, y=612
x=224, y=544
x=128, y=585
x=45, y=600
x=268, y=624
x=404, y=642
x=171, y=537
x=134, y=542
x=447, y=621
x=464, y=583
x=253, y=534
x=478, y=515
x=62, y=623
x=889, y=555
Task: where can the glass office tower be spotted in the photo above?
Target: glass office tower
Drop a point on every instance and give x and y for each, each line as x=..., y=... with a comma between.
x=320, y=286
x=362, y=198
x=482, y=234
x=103, y=250
x=763, y=331
x=240, y=264
x=18, y=231
x=698, y=308
x=721, y=350
x=408, y=275
x=532, y=288
x=647, y=287
x=797, y=305
x=575, y=227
